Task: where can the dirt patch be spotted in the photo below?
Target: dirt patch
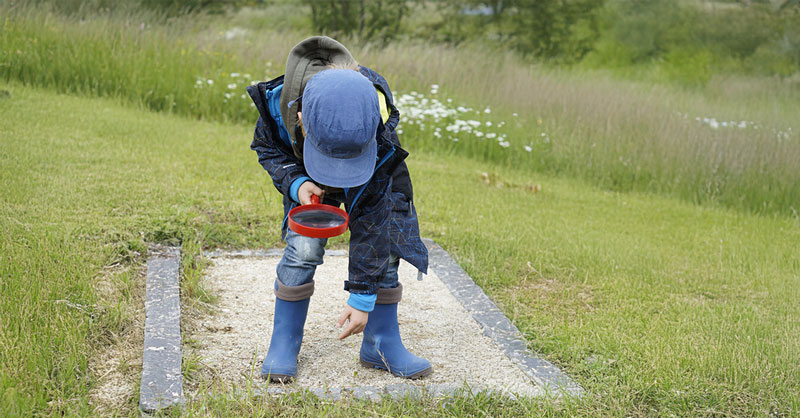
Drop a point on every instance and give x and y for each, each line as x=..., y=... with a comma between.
x=116, y=363
x=231, y=344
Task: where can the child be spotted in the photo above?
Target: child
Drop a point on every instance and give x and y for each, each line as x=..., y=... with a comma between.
x=321, y=132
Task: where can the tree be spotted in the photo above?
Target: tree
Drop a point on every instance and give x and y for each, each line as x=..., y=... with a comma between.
x=561, y=29
x=372, y=20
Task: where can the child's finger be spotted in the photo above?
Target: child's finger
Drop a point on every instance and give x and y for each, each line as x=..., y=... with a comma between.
x=342, y=318
x=347, y=332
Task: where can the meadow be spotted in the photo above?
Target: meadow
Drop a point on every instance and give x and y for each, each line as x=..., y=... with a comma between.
x=732, y=144
x=658, y=267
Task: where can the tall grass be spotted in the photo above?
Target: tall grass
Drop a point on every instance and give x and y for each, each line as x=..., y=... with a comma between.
x=627, y=135
x=618, y=134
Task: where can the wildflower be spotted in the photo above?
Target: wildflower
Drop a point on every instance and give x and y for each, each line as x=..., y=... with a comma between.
x=487, y=110
x=455, y=139
x=488, y=123
x=233, y=33
x=210, y=82
x=231, y=86
x=235, y=75
x=742, y=125
x=478, y=134
x=538, y=121
x=528, y=148
x=491, y=135
x=504, y=144
x=515, y=114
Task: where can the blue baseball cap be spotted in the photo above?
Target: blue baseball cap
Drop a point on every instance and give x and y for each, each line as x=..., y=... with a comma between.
x=340, y=116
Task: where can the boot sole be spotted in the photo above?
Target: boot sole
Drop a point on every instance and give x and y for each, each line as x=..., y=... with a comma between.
x=278, y=378
x=415, y=376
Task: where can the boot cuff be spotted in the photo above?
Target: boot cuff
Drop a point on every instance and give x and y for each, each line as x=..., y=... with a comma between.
x=390, y=296
x=294, y=293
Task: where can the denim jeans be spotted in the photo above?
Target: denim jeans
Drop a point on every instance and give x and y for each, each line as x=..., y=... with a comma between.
x=303, y=254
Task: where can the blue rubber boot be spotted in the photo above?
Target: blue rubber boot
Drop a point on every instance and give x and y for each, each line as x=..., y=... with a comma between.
x=291, y=309
x=382, y=347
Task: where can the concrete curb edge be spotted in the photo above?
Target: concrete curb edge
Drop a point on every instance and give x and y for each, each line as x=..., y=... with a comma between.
x=496, y=325
x=162, y=378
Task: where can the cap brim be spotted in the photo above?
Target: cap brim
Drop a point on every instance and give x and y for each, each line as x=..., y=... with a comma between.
x=339, y=172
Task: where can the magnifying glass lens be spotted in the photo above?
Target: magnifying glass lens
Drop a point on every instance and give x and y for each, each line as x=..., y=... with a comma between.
x=318, y=219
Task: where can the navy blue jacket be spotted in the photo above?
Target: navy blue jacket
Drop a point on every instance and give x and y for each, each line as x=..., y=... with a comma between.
x=383, y=219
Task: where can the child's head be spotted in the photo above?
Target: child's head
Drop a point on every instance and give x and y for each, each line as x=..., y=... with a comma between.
x=340, y=118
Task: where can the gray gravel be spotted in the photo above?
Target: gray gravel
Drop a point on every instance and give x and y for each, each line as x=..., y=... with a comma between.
x=234, y=340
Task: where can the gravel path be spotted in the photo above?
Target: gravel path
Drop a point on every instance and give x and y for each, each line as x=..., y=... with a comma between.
x=433, y=324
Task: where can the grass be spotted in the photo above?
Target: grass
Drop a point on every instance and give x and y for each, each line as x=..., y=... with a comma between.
x=659, y=307
x=617, y=134
x=656, y=306
x=68, y=210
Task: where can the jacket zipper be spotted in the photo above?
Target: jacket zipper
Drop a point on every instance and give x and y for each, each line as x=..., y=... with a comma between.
x=385, y=158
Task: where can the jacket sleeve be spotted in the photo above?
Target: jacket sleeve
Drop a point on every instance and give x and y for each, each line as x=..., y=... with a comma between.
x=370, y=242
x=280, y=162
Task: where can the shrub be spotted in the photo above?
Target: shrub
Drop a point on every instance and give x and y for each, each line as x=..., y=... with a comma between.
x=688, y=66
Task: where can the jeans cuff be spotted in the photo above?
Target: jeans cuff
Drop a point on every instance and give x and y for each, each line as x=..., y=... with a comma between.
x=390, y=296
x=294, y=293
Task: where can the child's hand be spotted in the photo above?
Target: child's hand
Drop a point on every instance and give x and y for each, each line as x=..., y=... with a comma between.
x=358, y=320
x=306, y=190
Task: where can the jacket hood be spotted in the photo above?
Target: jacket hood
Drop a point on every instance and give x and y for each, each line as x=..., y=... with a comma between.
x=305, y=60
x=258, y=93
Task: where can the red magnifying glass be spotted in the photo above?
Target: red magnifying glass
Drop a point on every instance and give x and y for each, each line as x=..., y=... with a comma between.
x=317, y=220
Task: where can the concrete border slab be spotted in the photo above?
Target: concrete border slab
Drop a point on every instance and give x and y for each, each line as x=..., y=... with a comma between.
x=496, y=325
x=162, y=380
x=273, y=252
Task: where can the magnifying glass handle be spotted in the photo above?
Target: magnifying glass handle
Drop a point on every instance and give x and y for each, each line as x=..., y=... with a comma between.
x=314, y=199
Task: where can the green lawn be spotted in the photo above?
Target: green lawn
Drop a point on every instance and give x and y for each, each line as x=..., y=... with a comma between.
x=654, y=305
